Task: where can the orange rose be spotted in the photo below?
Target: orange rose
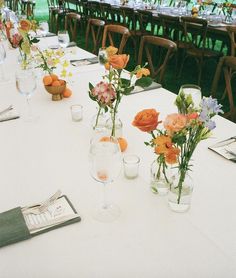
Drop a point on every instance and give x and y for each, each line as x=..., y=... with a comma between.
x=146, y=120
x=175, y=122
x=142, y=72
x=171, y=155
x=163, y=143
x=25, y=25
x=119, y=61
x=111, y=50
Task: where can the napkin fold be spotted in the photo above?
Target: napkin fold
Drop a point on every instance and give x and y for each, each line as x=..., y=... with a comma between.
x=9, y=115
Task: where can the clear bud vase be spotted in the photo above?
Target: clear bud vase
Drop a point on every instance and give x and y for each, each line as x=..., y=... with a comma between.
x=114, y=125
x=99, y=119
x=180, y=193
x=160, y=180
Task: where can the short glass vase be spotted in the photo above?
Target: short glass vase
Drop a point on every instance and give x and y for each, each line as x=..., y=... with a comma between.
x=180, y=193
x=160, y=178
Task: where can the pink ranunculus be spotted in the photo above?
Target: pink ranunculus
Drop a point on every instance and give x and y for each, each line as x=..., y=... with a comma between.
x=175, y=122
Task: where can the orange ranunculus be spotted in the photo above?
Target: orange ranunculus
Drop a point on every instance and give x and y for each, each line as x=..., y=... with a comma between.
x=25, y=25
x=141, y=72
x=163, y=143
x=192, y=116
x=146, y=120
x=111, y=50
x=171, y=156
x=175, y=122
x=119, y=61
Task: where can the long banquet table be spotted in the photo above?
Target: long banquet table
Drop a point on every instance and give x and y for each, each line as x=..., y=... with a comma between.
x=148, y=239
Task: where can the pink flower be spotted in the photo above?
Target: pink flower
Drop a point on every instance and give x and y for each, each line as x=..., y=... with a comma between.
x=104, y=93
x=175, y=122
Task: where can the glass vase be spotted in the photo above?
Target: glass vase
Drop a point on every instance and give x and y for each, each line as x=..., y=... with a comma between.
x=114, y=125
x=180, y=192
x=99, y=120
x=160, y=181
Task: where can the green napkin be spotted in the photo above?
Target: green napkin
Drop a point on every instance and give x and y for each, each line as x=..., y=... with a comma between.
x=13, y=227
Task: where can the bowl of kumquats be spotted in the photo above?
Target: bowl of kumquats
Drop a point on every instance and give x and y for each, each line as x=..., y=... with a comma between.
x=56, y=87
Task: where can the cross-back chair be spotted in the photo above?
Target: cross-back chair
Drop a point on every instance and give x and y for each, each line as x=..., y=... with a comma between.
x=109, y=35
x=227, y=64
x=72, y=23
x=194, y=35
x=95, y=29
x=165, y=48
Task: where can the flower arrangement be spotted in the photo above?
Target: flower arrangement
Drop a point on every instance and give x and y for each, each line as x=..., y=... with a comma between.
x=180, y=135
x=109, y=92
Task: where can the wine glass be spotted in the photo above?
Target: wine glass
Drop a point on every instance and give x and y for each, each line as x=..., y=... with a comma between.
x=102, y=56
x=3, y=78
x=105, y=165
x=194, y=91
x=44, y=28
x=26, y=85
x=63, y=38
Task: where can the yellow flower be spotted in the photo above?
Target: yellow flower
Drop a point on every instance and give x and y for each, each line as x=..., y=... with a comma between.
x=111, y=50
x=142, y=72
x=65, y=64
x=63, y=73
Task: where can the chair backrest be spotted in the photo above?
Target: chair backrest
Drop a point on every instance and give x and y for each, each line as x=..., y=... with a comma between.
x=227, y=64
x=145, y=20
x=147, y=45
x=105, y=11
x=232, y=32
x=94, y=28
x=170, y=25
x=128, y=16
x=110, y=31
x=194, y=31
x=93, y=9
x=71, y=24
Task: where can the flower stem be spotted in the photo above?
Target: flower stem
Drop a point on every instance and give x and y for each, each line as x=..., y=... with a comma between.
x=98, y=114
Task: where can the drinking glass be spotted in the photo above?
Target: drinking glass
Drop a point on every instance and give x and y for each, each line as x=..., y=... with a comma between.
x=26, y=85
x=105, y=166
x=44, y=28
x=63, y=38
x=194, y=91
x=102, y=56
x=2, y=59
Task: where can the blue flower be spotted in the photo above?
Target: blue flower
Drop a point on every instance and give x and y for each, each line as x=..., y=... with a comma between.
x=210, y=106
x=210, y=124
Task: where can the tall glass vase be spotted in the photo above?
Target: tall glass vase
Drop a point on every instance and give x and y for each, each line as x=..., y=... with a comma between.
x=114, y=124
x=99, y=119
x=180, y=193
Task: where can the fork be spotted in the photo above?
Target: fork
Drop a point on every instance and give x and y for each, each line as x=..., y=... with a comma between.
x=43, y=206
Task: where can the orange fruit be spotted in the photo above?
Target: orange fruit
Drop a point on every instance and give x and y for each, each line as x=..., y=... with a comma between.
x=54, y=77
x=62, y=82
x=123, y=143
x=105, y=139
x=56, y=83
x=47, y=80
x=67, y=92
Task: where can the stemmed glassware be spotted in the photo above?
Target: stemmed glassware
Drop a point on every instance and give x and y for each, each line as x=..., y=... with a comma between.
x=26, y=85
x=63, y=38
x=194, y=91
x=44, y=28
x=102, y=56
x=105, y=165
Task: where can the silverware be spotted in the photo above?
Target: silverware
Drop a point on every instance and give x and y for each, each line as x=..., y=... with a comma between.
x=6, y=110
x=37, y=209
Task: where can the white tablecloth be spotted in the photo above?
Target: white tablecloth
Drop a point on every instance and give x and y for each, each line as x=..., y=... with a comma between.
x=148, y=240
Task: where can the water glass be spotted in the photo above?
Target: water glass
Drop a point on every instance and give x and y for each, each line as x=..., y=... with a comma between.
x=44, y=28
x=102, y=56
x=63, y=38
x=194, y=91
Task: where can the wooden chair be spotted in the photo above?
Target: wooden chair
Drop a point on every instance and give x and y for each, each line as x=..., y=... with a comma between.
x=194, y=36
x=72, y=22
x=232, y=32
x=106, y=14
x=93, y=9
x=147, y=46
x=95, y=29
x=111, y=30
x=145, y=22
x=227, y=64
